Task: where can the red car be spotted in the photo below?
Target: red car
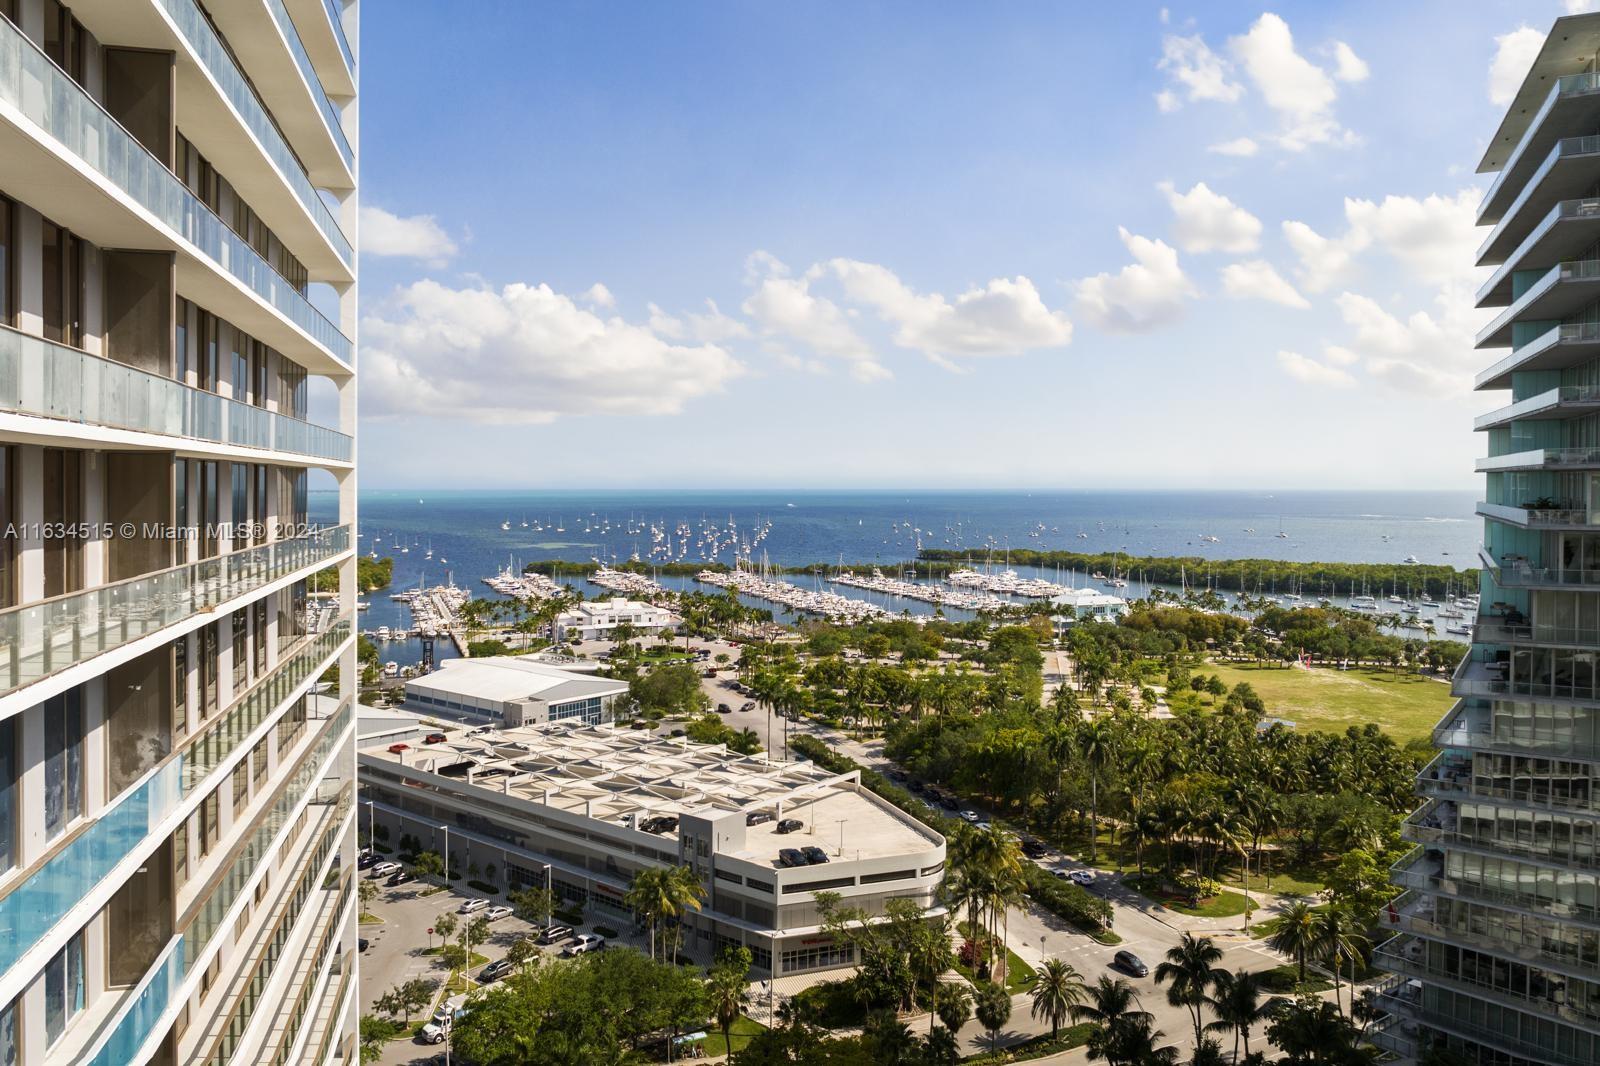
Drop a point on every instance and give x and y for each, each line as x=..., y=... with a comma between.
x=396, y=749
x=433, y=738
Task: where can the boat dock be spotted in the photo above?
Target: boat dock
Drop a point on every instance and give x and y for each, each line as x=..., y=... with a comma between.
x=827, y=604
x=627, y=582
x=1006, y=582
x=528, y=586
x=938, y=595
x=436, y=612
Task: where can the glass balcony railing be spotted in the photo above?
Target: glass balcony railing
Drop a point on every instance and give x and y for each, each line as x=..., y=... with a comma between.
x=1568, y=86
x=144, y=1011
x=1423, y=872
x=39, y=377
x=35, y=906
x=1545, y=401
x=337, y=18
x=214, y=55
x=45, y=638
x=1406, y=954
x=1587, y=207
x=1530, y=515
x=45, y=96
x=1497, y=629
x=212, y=917
x=308, y=71
x=1573, y=333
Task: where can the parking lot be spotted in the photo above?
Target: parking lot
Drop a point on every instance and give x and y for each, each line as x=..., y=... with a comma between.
x=395, y=950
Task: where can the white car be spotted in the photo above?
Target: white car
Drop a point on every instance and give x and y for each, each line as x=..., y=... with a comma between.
x=473, y=906
x=496, y=913
x=1081, y=877
x=384, y=869
x=970, y=817
x=586, y=942
x=983, y=826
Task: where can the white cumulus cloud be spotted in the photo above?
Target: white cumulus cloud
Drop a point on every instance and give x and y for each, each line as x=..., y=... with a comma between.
x=409, y=237
x=1302, y=93
x=1582, y=7
x=1514, y=53
x=1433, y=236
x=1421, y=350
x=1147, y=293
x=1347, y=66
x=1257, y=279
x=1197, y=70
x=784, y=306
x=524, y=354
x=1207, y=221
x=1004, y=317
x=1310, y=372
x=708, y=325
x=1242, y=147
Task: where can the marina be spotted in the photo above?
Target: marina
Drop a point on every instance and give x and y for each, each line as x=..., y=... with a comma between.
x=627, y=582
x=939, y=595
x=829, y=605
x=528, y=586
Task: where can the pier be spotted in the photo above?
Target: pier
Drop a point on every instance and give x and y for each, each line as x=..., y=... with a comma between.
x=938, y=595
x=627, y=582
x=827, y=604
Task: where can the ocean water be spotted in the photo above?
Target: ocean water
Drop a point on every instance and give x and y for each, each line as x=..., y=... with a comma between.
x=464, y=529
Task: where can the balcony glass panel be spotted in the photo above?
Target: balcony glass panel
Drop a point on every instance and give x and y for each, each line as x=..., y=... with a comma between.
x=32, y=908
x=38, y=377
x=45, y=96
x=337, y=19
x=45, y=638
x=205, y=43
x=297, y=48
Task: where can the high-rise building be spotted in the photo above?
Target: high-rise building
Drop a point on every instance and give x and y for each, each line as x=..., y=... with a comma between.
x=177, y=373
x=1498, y=952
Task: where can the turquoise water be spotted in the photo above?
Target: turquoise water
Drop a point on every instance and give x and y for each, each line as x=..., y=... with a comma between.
x=464, y=528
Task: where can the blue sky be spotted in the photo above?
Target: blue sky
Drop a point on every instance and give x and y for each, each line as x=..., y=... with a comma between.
x=999, y=245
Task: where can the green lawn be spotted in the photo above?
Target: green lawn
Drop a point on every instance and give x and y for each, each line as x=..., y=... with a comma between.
x=743, y=1029
x=1224, y=904
x=1405, y=705
x=1018, y=973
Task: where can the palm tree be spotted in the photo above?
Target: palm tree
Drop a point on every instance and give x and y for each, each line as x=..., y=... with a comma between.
x=1237, y=1004
x=1112, y=1007
x=952, y=1002
x=1056, y=989
x=1338, y=941
x=726, y=990
x=684, y=893
x=646, y=897
x=1096, y=743
x=1296, y=934
x=993, y=1009
x=1191, y=967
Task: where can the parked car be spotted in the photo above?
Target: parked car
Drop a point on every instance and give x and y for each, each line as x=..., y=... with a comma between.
x=790, y=825
x=757, y=817
x=748, y=705
x=403, y=877
x=814, y=855
x=494, y=914
x=791, y=857
x=495, y=970
x=585, y=943
x=970, y=817
x=361, y=944
x=396, y=749
x=433, y=738
x=1034, y=849
x=985, y=826
x=1082, y=877
x=367, y=861
x=384, y=869
x=1128, y=962
x=554, y=934
x=723, y=708
x=472, y=906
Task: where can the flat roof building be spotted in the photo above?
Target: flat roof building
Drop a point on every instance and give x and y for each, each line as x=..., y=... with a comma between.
x=515, y=690
x=588, y=806
x=1086, y=605
x=598, y=619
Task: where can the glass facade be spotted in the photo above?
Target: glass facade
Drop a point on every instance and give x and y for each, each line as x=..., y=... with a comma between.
x=1498, y=960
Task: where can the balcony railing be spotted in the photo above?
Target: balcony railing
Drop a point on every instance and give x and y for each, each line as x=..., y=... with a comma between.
x=1573, y=270
x=214, y=55
x=1588, y=207
x=308, y=71
x=1515, y=571
x=45, y=638
x=1416, y=912
x=1540, y=402
x=34, y=907
x=1436, y=822
x=44, y=95
x=1495, y=629
x=1535, y=516
x=132, y=1028
x=1405, y=954
x=1565, y=333
x=40, y=377
x=1420, y=871
x=1569, y=86
x=1540, y=459
x=337, y=18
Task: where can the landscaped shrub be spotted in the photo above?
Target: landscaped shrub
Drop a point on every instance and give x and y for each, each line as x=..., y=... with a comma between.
x=484, y=886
